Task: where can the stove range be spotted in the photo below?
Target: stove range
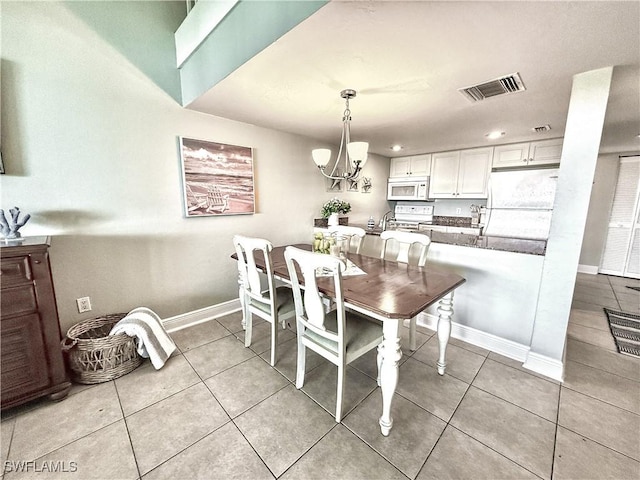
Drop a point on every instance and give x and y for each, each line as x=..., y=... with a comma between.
x=411, y=216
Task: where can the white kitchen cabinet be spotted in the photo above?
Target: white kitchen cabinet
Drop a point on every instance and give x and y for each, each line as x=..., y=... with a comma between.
x=529, y=154
x=545, y=152
x=414, y=166
x=460, y=174
x=444, y=174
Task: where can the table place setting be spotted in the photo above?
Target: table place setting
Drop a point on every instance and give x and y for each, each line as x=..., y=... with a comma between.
x=352, y=269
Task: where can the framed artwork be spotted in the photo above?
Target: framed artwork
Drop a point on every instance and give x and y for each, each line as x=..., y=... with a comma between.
x=352, y=185
x=366, y=184
x=334, y=185
x=217, y=178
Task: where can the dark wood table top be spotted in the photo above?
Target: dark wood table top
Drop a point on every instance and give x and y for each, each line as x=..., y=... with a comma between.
x=389, y=289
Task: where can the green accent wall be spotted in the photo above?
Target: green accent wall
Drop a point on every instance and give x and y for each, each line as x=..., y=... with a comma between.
x=249, y=27
x=150, y=46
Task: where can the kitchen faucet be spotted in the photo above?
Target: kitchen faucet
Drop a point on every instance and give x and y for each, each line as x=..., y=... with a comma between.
x=384, y=220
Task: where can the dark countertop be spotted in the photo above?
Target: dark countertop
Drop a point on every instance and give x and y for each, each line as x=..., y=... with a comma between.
x=374, y=231
x=515, y=245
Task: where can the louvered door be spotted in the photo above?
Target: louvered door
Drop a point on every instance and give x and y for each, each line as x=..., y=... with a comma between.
x=622, y=249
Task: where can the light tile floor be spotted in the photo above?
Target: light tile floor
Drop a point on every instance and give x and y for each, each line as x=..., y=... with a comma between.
x=218, y=410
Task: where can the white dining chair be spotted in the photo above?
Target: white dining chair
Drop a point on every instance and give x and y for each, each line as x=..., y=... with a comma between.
x=405, y=242
x=273, y=304
x=339, y=335
x=355, y=234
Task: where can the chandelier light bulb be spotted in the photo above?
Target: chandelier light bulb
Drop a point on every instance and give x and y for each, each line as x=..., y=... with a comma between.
x=358, y=152
x=321, y=156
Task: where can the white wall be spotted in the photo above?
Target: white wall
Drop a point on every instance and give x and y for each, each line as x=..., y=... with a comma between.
x=90, y=147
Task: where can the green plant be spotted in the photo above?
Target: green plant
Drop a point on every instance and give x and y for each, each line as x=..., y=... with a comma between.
x=335, y=206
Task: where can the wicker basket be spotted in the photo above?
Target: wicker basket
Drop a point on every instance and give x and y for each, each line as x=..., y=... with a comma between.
x=94, y=355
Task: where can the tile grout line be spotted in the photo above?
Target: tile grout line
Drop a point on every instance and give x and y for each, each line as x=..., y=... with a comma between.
x=600, y=369
x=126, y=426
x=517, y=406
x=13, y=429
x=497, y=452
x=448, y=422
x=614, y=293
x=603, y=401
x=202, y=381
x=48, y=452
x=600, y=444
x=555, y=433
x=232, y=419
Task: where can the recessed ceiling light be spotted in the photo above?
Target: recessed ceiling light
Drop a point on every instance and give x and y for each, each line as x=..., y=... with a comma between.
x=396, y=148
x=494, y=135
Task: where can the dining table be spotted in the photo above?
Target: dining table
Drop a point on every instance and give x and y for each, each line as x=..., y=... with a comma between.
x=390, y=292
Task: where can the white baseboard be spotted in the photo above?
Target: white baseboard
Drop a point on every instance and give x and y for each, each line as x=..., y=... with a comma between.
x=205, y=314
x=589, y=269
x=516, y=351
x=546, y=366
x=496, y=344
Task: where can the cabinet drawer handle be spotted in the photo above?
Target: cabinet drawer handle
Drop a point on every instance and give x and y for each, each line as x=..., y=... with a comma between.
x=37, y=261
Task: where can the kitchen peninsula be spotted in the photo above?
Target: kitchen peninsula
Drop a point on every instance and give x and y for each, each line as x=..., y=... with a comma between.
x=496, y=307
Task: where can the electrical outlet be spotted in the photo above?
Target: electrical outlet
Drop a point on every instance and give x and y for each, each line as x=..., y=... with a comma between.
x=84, y=304
x=458, y=211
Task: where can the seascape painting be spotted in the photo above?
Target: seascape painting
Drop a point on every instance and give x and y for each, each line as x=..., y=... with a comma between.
x=217, y=178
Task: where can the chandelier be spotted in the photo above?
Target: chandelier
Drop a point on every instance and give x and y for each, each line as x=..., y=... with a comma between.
x=355, y=153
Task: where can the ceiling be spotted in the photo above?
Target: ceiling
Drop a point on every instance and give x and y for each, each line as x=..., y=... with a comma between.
x=407, y=60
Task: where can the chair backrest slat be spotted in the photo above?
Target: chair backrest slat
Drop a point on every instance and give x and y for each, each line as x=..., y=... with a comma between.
x=405, y=241
x=246, y=249
x=309, y=306
x=355, y=234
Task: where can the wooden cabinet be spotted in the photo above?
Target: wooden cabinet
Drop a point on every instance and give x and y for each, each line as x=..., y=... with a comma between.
x=415, y=166
x=32, y=364
x=529, y=154
x=460, y=174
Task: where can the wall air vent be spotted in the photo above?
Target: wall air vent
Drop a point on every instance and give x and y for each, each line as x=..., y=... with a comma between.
x=499, y=86
x=542, y=128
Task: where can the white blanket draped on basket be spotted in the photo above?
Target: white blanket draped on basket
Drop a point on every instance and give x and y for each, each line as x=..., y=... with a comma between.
x=152, y=340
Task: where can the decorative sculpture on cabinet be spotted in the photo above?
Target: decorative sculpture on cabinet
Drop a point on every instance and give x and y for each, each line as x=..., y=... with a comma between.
x=9, y=227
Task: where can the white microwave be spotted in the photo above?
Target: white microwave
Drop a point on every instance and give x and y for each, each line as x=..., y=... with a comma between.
x=408, y=188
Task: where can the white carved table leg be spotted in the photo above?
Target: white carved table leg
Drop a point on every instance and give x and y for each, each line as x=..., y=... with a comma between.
x=391, y=355
x=445, y=310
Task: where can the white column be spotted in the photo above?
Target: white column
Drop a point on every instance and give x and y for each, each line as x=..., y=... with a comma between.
x=585, y=118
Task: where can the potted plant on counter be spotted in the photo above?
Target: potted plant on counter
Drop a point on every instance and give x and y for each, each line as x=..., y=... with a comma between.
x=332, y=210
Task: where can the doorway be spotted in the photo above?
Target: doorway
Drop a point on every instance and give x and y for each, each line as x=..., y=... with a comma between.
x=621, y=254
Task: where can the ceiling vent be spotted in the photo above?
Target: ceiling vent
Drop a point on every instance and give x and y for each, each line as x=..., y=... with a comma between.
x=499, y=86
x=542, y=129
